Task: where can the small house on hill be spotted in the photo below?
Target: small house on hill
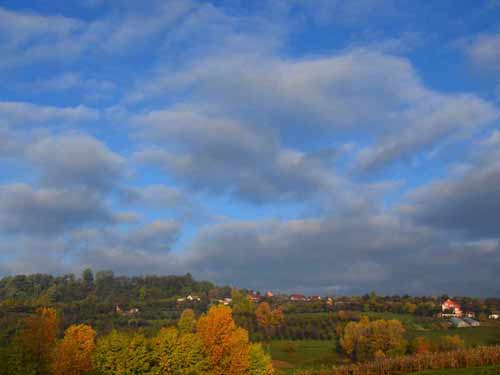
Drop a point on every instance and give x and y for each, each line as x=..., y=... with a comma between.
x=189, y=298
x=133, y=311
x=298, y=297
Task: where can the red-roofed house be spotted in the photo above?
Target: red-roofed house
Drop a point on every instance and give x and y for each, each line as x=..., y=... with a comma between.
x=297, y=297
x=451, y=308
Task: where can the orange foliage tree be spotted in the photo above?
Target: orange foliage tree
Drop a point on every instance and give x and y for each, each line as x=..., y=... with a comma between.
x=268, y=319
x=39, y=337
x=226, y=346
x=74, y=352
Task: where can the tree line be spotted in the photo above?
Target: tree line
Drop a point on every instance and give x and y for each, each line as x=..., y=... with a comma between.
x=210, y=345
x=156, y=294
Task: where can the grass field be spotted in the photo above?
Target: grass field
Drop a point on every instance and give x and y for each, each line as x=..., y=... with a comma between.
x=487, y=334
x=465, y=371
x=310, y=354
x=290, y=356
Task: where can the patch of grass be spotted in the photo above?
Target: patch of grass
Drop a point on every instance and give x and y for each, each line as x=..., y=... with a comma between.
x=304, y=354
x=490, y=370
x=487, y=334
x=410, y=321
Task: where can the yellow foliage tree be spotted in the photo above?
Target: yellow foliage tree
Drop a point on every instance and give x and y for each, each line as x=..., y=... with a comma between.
x=179, y=354
x=260, y=361
x=74, y=352
x=226, y=346
x=187, y=321
x=365, y=340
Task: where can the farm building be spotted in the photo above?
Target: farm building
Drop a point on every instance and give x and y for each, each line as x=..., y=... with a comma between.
x=458, y=323
x=472, y=322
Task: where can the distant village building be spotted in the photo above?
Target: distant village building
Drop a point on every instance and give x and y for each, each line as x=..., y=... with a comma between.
x=459, y=323
x=330, y=301
x=189, y=298
x=269, y=294
x=494, y=315
x=472, y=322
x=315, y=298
x=222, y=301
x=133, y=311
x=298, y=297
x=451, y=308
x=470, y=314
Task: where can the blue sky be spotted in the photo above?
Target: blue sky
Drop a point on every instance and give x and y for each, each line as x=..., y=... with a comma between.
x=310, y=146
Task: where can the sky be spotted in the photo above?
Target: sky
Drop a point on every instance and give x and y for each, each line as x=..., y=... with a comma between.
x=323, y=146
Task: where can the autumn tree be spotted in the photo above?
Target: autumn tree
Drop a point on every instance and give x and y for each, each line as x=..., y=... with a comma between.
x=225, y=345
x=73, y=355
x=365, y=340
x=187, y=321
x=447, y=343
x=38, y=338
x=179, y=354
x=121, y=354
x=260, y=361
x=110, y=354
x=268, y=319
x=420, y=344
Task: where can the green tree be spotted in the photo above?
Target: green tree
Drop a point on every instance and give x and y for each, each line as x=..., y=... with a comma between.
x=122, y=354
x=88, y=279
x=260, y=361
x=187, y=321
x=142, y=294
x=447, y=343
x=241, y=304
x=111, y=353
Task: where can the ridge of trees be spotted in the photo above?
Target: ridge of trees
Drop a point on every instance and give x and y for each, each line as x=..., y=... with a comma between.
x=211, y=345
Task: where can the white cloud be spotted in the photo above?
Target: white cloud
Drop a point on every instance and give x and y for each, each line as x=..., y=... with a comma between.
x=23, y=113
x=48, y=212
x=484, y=51
x=76, y=160
x=220, y=155
x=361, y=92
